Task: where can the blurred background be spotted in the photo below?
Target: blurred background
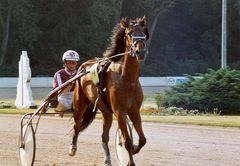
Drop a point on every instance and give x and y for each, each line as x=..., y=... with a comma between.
x=185, y=34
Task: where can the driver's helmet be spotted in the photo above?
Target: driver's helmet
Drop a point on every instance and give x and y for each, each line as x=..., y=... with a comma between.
x=70, y=55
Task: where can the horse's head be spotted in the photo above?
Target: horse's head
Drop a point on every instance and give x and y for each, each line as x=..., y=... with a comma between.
x=136, y=35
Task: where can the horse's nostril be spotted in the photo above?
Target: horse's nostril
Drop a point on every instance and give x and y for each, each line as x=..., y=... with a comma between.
x=137, y=52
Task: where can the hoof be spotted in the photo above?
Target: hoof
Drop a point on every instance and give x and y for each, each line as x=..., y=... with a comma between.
x=108, y=163
x=72, y=150
x=131, y=164
x=135, y=149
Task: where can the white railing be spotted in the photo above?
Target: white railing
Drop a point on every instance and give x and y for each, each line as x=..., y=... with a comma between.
x=11, y=82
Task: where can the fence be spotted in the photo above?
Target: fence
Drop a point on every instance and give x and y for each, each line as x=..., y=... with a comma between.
x=41, y=86
x=46, y=82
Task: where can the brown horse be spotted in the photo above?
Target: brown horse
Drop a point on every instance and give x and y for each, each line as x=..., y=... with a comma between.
x=123, y=94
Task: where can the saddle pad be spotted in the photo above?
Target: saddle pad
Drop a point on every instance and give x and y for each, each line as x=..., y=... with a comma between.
x=94, y=73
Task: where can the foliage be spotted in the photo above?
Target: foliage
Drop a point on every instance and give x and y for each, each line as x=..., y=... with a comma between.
x=48, y=28
x=4, y=105
x=20, y=35
x=188, y=39
x=159, y=99
x=185, y=36
x=217, y=91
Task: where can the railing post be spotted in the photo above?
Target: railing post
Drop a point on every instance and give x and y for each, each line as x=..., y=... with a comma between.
x=24, y=97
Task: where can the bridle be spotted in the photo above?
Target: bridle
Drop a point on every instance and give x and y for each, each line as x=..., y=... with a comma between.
x=135, y=39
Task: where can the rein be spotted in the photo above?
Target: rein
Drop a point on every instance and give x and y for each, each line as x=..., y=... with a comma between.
x=117, y=55
x=105, y=59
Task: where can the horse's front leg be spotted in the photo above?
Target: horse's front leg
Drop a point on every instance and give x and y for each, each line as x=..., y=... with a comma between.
x=137, y=123
x=121, y=117
x=135, y=117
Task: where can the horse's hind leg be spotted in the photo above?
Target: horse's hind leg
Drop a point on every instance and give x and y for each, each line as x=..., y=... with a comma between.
x=79, y=106
x=78, y=113
x=137, y=123
x=73, y=146
x=107, y=123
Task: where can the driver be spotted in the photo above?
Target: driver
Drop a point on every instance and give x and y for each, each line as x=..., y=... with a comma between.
x=71, y=61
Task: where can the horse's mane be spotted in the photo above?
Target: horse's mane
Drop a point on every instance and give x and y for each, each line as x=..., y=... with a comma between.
x=117, y=43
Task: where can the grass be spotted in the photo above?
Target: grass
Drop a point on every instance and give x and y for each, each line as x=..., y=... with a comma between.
x=205, y=120
x=15, y=111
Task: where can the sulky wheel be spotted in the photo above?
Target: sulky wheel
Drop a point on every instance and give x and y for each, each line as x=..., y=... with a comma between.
x=120, y=150
x=27, y=152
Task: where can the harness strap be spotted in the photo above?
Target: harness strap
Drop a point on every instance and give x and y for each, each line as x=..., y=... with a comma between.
x=100, y=86
x=104, y=69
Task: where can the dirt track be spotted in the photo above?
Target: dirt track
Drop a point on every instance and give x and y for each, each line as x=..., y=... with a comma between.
x=168, y=145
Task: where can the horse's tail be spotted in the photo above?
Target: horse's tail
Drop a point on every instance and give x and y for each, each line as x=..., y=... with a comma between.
x=88, y=117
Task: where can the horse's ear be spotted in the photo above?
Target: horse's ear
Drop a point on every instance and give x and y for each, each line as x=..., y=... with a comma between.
x=142, y=21
x=124, y=23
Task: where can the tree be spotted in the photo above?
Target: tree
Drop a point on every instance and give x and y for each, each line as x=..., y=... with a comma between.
x=188, y=32
x=83, y=26
x=18, y=24
x=5, y=25
x=185, y=36
x=48, y=28
x=233, y=49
